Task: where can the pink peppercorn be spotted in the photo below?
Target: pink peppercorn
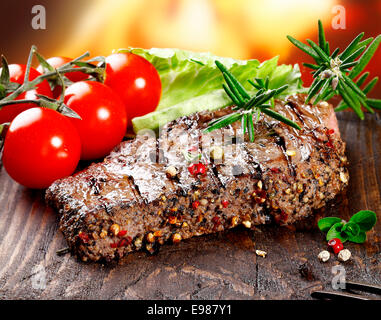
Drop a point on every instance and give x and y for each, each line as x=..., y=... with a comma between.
x=225, y=203
x=336, y=245
x=122, y=233
x=195, y=204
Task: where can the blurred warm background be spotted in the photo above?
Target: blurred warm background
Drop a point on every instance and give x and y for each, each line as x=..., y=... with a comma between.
x=241, y=28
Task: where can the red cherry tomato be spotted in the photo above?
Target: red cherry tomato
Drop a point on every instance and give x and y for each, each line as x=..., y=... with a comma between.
x=72, y=76
x=17, y=74
x=136, y=81
x=104, y=120
x=336, y=245
x=40, y=147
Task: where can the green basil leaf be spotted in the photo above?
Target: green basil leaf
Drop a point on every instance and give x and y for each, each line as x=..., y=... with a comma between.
x=360, y=238
x=325, y=224
x=336, y=232
x=365, y=219
x=351, y=229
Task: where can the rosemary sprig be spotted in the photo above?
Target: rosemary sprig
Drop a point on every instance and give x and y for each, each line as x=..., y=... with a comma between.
x=248, y=108
x=334, y=73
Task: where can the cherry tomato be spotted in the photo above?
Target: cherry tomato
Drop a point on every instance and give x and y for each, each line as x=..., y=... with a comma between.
x=40, y=147
x=136, y=81
x=72, y=76
x=104, y=120
x=17, y=74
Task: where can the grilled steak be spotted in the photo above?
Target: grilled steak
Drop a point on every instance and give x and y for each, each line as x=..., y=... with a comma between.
x=145, y=192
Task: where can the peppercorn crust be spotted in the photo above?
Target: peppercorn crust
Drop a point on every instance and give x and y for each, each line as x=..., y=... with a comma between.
x=145, y=193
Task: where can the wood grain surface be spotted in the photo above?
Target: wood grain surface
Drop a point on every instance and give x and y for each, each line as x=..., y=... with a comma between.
x=221, y=266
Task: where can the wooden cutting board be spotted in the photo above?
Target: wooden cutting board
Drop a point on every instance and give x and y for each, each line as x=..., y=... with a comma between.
x=222, y=266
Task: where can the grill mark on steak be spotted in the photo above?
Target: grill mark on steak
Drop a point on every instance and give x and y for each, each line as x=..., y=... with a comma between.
x=280, y=142
x=306, y=139
x=300, y=117
x=216, y=175
x=174, y=153
x=135, y=193
x=302, y=110
x=221, y=179
x=134, y=187
x=254, y=166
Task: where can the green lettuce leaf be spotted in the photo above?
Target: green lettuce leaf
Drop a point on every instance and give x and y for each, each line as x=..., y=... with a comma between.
x=191, y=82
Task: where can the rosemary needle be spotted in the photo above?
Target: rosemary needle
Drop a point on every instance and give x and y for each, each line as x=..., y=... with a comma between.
x=247, y=108
x=334, y=73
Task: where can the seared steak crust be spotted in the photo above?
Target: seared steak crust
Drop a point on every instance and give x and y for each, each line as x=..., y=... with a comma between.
x=129, y=202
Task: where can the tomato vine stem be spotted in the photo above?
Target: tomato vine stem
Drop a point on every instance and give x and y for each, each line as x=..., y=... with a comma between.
x=51, y=74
